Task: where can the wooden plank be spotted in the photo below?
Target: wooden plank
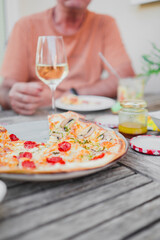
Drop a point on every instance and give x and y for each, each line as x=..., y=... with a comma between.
x=11, y=183
x=150, y=233
x=146, y=164
x=131, y=225
x=153, y=101
x=81, y=221
x=109, y=199
x=111, y=174
x=60, y=192
x=28, y=188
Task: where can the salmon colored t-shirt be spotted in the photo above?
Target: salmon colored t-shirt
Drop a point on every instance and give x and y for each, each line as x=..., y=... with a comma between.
x=98, y=33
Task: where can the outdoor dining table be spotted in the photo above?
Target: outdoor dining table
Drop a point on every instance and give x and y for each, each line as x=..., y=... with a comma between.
x=120, y=202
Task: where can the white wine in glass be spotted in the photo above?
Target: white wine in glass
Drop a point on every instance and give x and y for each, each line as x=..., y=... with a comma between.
x=51, y=62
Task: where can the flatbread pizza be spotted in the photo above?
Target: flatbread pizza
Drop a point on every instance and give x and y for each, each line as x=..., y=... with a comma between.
x=74, y=144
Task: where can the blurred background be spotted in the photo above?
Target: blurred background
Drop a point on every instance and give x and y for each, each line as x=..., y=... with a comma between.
x=139, y=25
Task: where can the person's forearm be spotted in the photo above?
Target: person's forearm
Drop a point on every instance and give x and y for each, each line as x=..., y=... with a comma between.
x=106, y=87
x=4, y=98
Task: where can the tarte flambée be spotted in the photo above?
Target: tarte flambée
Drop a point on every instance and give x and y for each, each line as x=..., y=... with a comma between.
x=74, y=144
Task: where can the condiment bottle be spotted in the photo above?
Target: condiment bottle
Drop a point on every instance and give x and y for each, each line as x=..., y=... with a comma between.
x=133, y=117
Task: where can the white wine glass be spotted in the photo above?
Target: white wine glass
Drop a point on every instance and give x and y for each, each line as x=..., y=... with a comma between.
x=51, y=62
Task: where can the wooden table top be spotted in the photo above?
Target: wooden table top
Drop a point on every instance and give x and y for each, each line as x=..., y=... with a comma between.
x=121, y=202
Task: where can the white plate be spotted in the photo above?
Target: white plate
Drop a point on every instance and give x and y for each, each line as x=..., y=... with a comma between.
x=38, y=131
x=108, y=120
x=95, y=103
x=3, y=190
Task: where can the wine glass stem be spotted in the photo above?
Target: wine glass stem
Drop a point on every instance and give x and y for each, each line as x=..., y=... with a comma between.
x=53, y=88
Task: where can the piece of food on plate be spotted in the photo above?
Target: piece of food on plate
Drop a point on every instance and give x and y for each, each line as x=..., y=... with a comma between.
x=71, y=99
x=74, y=144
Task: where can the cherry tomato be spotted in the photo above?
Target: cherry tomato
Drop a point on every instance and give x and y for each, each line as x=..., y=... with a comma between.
x=64, y=146
x=99, y=156
x=25, y=155
x=13, y=137
x=28, y=164
x=30, y=144
x=54, y=160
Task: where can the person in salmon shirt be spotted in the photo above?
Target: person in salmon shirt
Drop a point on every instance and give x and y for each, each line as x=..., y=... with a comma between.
x=85, y=34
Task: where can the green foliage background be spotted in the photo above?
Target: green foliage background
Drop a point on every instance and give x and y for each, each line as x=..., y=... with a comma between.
x=151, y=62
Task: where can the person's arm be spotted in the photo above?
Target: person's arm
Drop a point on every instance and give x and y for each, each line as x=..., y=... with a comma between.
x=14, y=68
x=106, y=87
x=25, y=98
x=4, y=98
x=16, y=91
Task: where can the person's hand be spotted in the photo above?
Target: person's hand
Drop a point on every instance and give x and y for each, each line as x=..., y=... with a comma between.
x=25, y=98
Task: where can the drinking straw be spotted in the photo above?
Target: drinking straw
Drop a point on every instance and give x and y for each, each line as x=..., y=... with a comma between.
x=109, y=65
